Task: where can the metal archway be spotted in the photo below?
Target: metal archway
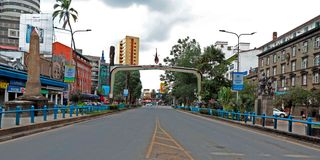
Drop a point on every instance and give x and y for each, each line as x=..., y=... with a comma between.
x=115, y=69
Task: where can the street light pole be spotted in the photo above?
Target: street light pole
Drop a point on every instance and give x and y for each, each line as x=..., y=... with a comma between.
x=238, y=50
x=74, y=46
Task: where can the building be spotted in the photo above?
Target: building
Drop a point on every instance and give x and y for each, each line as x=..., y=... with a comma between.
x=10, y=16
x=247, y=57
x=44, y=24
x=293, y=59
x=95, y=70
x=83, y=75
x=128, y=51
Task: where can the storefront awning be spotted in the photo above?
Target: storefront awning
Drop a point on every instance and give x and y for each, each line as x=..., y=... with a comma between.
x=22, y=75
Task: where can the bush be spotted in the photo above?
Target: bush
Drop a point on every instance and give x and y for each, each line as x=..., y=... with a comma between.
x=204, y=111
x=113, y=107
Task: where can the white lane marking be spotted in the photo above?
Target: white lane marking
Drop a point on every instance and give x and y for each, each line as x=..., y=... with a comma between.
x=226, y=154
x=264, y=155
x=297, y=156
x=278, y=137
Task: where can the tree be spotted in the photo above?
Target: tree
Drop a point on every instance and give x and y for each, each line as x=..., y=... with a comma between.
x=135, y=86
x=213, y=66
x=64, y=11
x=184, y=54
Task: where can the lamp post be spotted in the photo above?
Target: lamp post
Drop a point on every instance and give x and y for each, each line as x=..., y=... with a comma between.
x=74, y=46
x=238, y=49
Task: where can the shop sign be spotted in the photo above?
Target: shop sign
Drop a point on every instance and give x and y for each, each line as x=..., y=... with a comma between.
x=17, y=83
x=15, y=89
x=4, y=85
x=44, y=91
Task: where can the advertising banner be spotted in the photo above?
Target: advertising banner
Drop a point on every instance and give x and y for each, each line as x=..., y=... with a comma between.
x=237, y=80
x=125, y=92
x=69, y=73
x=105, y=90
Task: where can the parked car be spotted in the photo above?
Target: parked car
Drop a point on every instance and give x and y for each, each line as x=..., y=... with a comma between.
x=279, y=113
x=148, y=104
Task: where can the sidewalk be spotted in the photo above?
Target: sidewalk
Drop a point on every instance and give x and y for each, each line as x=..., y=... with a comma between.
x=8, y=122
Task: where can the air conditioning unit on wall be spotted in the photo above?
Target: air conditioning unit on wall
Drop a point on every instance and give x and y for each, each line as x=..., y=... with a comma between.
x=13, y=33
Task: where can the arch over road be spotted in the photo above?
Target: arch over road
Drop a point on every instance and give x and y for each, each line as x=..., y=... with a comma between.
x=115, y=69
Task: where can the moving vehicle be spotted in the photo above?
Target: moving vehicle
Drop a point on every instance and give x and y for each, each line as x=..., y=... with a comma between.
x=279, y=113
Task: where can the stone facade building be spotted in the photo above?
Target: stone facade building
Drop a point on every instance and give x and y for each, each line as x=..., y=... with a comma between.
x=293, y=60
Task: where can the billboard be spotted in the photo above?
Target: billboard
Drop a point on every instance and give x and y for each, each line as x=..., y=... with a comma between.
x=44, y=25
x=237, y=80
x=69, y=73
x=162, y=87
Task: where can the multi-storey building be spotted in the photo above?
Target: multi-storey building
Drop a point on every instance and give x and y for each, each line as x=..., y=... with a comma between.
x=128, y=51
x=10, y=11
x=293, y=60
x=95, y=63
x=247, y=57
x=83, y=75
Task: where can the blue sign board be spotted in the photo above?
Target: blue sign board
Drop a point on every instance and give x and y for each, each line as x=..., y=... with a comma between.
x=237, y=81
x=17, y=83
x=15, y=89
x=105, y=90
x=125, y=92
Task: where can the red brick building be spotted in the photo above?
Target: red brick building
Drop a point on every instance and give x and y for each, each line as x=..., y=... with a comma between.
x=83, y=76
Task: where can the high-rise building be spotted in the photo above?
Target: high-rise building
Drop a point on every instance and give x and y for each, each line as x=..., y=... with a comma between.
x=10, y=11
x=95, y=63
x=128, y=51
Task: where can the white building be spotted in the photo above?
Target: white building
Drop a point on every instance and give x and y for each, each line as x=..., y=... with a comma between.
x=248, y=57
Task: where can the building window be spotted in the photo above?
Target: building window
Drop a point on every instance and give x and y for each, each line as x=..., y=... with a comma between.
x=304, y=79
x=268, y=61
x=261, y=62
x=305, y=47
x=268, y=72
x=293, y=81
x=293, y=66
x=283, y=55
x=316, y=60
x=315, y=78
x=293, y=51
x=274, y=71
x=275, y=58
x=231, y=67
x=304, y=63
x=283, y=82
x=317, y=43
x=282, y=68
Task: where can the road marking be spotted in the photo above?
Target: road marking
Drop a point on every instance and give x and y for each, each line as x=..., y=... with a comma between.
x=159, y=130
x=152, y=140
x=163, y=138
x=226, y=154
x=265, y=155
x=278, y=137
x=297, y=156
x=162, y=144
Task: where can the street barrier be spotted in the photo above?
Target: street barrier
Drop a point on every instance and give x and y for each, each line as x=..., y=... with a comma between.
x=253, y=117
x=73, y=110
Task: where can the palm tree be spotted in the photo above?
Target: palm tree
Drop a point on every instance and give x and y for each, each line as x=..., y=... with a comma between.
x=64, y=12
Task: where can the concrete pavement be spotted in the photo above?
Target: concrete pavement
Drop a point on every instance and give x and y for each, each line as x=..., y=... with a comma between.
x=129, y=135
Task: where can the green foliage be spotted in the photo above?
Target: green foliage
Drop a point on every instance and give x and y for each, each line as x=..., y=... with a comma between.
x=135, y=85
x=113, y=107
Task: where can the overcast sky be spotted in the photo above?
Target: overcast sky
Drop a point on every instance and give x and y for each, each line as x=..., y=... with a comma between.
x=160, y=23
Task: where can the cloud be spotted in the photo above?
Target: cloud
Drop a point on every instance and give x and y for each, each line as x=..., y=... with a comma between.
x=153, y=5
x=162, y=16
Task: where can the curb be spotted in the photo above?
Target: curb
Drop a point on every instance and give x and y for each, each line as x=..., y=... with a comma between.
x=21, y=131
x=304, y=138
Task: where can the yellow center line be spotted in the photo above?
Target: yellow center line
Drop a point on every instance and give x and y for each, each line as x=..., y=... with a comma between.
x=152, y=140
x=166, y=145
x=175, y=142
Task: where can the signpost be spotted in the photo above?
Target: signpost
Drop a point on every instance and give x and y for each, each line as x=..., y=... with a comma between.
x=237, y=81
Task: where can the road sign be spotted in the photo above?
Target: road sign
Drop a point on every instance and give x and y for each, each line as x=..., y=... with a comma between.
x=125, y=92
x=237, y=81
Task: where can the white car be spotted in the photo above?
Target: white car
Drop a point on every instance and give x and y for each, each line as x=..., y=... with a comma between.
x=148, y=104
x=279, y=113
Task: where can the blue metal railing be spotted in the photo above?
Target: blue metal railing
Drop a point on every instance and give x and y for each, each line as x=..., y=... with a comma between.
x=72, y=110
x=252, y=117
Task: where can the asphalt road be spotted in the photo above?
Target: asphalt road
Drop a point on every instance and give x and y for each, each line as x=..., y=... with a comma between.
x=153, y=133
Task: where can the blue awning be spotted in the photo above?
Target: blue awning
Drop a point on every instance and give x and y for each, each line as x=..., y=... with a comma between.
x=22, y=75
